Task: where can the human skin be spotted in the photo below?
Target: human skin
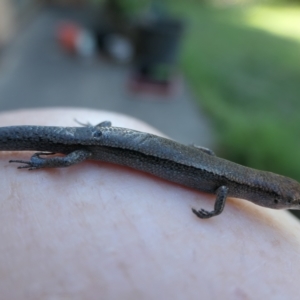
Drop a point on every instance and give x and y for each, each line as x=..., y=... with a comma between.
x=101, y=231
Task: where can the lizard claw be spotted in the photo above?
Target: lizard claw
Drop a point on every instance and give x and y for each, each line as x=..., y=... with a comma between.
x=28, y=164
x=35, y=162
x=202, y=213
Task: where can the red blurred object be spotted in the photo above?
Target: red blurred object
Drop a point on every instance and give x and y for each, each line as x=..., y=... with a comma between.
x=67, y=34
x=138, y=84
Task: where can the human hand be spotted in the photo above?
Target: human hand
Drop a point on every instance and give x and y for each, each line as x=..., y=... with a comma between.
x=101, y=231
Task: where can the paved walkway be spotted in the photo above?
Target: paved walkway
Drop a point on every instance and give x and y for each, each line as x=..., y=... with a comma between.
x=35, y=72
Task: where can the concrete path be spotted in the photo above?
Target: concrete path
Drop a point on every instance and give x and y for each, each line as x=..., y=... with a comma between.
x=35, y=72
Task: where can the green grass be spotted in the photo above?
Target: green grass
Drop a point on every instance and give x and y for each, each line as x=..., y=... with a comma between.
x=282, y=21
x=244, y=66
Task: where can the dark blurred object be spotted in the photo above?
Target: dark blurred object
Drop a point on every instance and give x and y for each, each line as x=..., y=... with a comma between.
x=67, y=3
x=115, y=30
x=157, y=50
x=155, y=69
x=115, y=46
x=138, y=32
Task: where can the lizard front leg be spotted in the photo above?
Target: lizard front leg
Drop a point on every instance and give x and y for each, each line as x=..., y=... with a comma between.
x=222, y=192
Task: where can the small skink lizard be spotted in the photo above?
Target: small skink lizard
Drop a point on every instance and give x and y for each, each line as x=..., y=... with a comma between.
x=191, y=166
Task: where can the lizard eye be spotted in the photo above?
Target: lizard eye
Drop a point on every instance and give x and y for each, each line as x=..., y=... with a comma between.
x=97, y=133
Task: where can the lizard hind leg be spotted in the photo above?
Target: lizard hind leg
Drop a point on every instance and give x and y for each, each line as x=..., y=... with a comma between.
x=88, y=124
x=104, y=124
x=38, y=162
x=222, y=192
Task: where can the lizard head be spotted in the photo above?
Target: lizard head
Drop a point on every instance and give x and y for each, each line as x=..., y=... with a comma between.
x=287, y=193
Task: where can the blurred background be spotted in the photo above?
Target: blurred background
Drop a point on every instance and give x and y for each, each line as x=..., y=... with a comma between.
x=221, y=74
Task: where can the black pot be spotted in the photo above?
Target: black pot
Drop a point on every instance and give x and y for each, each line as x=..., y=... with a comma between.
x=158, y=48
